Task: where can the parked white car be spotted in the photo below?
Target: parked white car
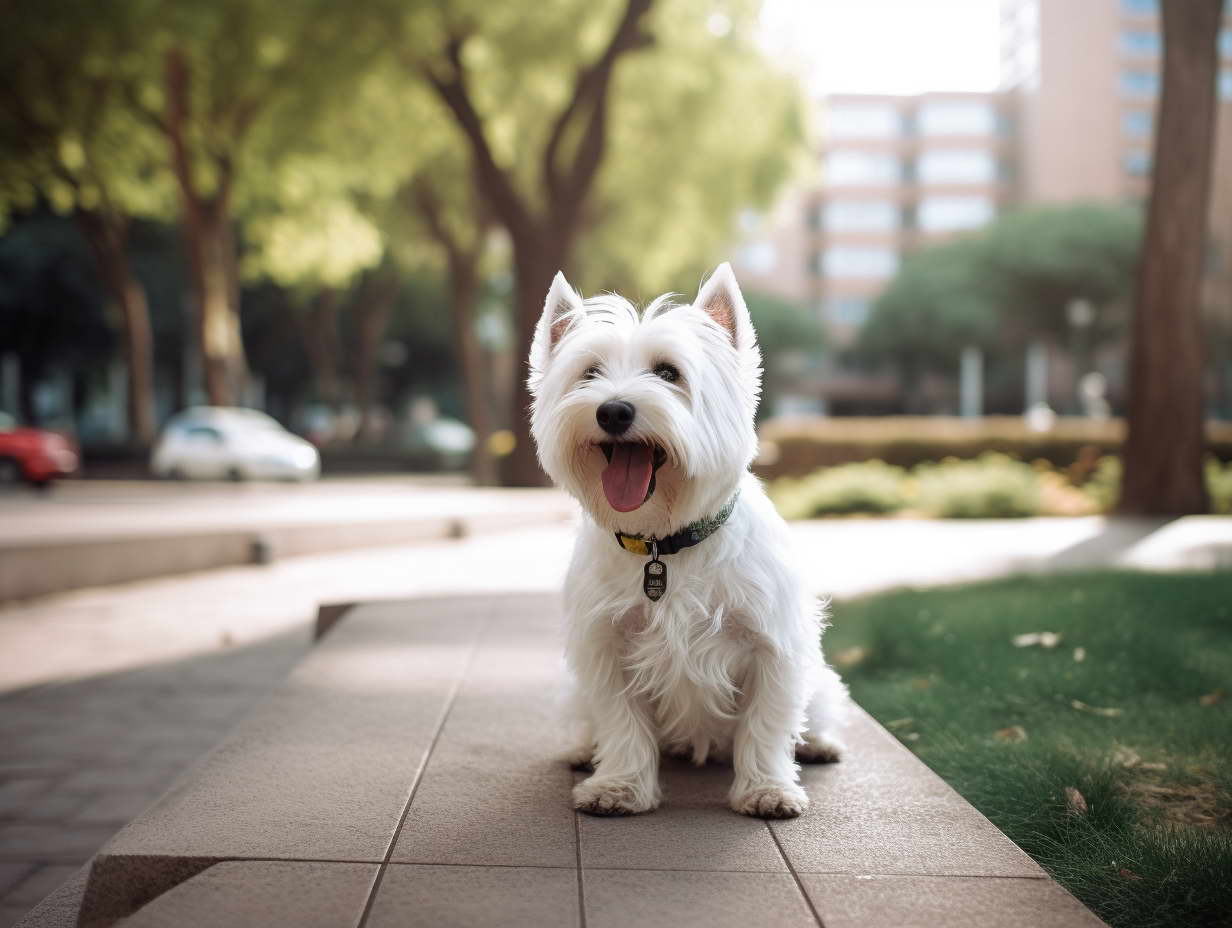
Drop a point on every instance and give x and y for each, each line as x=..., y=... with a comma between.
x=229, y=443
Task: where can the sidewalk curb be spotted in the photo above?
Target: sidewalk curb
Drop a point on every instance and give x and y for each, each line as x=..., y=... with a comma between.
x=29, y=569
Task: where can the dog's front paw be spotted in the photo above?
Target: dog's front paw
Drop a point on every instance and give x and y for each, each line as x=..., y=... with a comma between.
x=819, y=749
x=603, y=796
x=771, y=800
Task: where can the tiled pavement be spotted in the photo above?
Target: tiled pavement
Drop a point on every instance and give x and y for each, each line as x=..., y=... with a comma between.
x=80, y=760
x=405, y=774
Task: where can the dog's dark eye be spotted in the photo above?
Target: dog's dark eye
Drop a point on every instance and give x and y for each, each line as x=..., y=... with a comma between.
x=591, y=373
x=668, y=372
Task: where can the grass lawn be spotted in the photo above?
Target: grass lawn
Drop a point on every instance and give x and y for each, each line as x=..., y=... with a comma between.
x=1107, y=756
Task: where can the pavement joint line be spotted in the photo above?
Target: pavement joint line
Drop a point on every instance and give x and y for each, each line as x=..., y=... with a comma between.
x=796, y=877
x=480, y=633
x=581, y=884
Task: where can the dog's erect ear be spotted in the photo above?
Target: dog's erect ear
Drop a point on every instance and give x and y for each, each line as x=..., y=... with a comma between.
x=720, y=299
x=561, y=310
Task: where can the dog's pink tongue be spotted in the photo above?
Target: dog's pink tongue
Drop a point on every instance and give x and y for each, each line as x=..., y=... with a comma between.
x=627, y=476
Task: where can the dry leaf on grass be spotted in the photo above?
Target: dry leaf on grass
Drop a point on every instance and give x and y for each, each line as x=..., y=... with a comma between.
x=1075, y=802
x=1012, y=735
x=1109, y=713
x=1128, y=874
x=894, y=724
x=1213, y=698
x=1043, y=639
x=1126, y=757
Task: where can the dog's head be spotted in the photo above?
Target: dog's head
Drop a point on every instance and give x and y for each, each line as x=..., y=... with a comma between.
x=647, y=419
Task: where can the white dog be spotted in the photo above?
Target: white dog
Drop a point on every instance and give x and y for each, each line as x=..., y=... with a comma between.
x=687, y=630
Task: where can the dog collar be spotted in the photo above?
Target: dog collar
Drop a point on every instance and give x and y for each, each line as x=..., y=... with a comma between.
x=655, y=581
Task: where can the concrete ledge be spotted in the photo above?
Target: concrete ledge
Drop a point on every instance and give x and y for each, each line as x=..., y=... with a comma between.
x=406, y=773
x=38, y=567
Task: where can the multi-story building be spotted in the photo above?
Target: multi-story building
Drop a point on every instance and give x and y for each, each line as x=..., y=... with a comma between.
x=1072, y=121
x=897, y=173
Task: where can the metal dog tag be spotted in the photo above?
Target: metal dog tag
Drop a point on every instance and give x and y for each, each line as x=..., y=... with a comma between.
x=655, y=582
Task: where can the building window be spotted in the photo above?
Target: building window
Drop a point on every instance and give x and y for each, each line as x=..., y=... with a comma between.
x=1137, y=163
x=861, y=216
x=850, y=310
x=948, y=214
x=956, y=166
x=862, y=121
x=1136, y=124
x=759, y=257
x=850, y=261
x=1225, y=43
x=861, y=168
x=1140, y=7
x=957, y=117
x=1225, y=84
x=1141, y=43
x=1136, y=83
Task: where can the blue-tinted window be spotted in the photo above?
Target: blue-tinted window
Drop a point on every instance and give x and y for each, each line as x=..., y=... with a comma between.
x=849, y=310
x=1225, y=84
x=1140, y=7
x=1140, y=42
x=1136, y=124
x=1139, y=83
x=1138, y=163
x=1225, y=43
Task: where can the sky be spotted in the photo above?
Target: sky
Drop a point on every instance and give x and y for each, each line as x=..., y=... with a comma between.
x=887, y=46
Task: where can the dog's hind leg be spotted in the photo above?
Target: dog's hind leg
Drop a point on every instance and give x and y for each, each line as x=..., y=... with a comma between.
x=827, y=711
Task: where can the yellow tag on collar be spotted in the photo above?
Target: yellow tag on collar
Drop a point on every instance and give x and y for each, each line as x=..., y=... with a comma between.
x=634, y=545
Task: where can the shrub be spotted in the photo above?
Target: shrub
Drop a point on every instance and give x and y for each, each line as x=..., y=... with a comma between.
x=798, y=446
x=1219, y=486
x=870, y=487
x=1104, y=487
x=993, y=486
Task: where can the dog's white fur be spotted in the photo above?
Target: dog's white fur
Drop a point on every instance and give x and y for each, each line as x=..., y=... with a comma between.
x=727, y=664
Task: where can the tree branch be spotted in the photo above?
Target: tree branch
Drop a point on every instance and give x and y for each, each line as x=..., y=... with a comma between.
x=591, y=89
x=493, y=179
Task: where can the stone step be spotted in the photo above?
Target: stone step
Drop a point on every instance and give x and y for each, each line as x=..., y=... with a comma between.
x=406, y=774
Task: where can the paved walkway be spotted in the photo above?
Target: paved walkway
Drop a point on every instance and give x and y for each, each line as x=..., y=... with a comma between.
x=106, y=694
x=407, y=773
x=76, y=510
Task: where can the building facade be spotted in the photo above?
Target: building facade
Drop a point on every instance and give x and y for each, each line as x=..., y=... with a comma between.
x=1073, y=121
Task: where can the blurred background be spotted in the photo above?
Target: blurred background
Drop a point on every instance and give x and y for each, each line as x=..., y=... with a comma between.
x=346, y=216
x=268, y=278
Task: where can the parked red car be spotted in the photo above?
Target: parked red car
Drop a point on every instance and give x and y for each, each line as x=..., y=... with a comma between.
x=33, y=455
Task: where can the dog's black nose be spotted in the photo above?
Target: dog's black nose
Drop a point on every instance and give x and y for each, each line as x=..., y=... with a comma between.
x=615, y=416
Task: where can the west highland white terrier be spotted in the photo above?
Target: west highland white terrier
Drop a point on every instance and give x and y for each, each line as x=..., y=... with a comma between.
x=687, y=630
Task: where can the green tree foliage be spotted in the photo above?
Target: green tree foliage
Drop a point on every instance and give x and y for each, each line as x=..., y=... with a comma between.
x=67, y=139
x=557, y=145
x=1007, y=284
x=939, y=301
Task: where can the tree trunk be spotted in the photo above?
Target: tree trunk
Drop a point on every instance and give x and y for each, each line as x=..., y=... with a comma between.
x=1165, y=440
x=464, y=288
x=319, y=329
x=535, y=263
x=373, y=308
x=107, y=236
x=210, y=242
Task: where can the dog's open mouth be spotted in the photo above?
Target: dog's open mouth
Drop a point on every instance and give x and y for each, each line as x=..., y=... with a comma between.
x=629, y=478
